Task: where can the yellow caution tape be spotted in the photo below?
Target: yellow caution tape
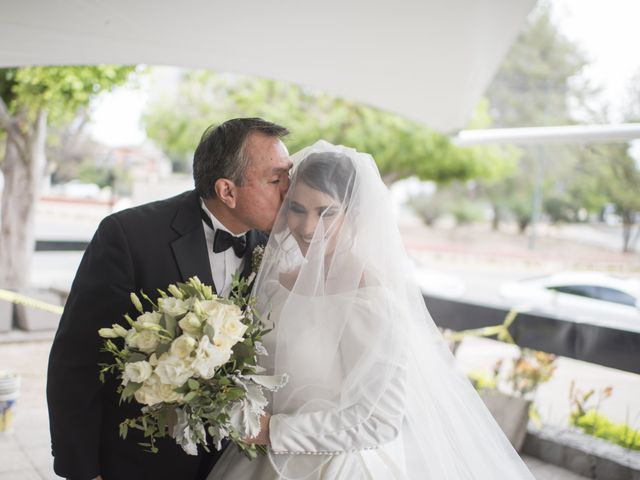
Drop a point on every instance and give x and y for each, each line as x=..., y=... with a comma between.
x=19, y=299
x=502, y=331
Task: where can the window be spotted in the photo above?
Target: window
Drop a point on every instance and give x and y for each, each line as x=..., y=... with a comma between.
x=615, y=296
x=598, y=293
x=580, y=290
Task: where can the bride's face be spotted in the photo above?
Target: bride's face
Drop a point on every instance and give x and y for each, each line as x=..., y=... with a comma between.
x=307, y=208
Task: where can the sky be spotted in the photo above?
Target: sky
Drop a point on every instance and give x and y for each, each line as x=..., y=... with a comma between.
x=607, y=31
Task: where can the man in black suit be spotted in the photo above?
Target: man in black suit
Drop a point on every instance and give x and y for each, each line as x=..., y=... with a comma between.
x=241, y=173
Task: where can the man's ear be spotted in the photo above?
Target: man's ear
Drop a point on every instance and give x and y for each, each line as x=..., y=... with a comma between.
x=226, y=192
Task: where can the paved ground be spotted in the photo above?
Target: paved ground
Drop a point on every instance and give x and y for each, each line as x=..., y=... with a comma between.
x=26, y=454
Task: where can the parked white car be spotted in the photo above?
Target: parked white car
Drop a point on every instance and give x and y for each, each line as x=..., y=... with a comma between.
x=579, y=296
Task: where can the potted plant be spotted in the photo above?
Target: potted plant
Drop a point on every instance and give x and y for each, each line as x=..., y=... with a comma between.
x=508, y=390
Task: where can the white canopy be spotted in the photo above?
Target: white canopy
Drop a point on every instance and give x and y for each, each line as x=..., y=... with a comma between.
x=429, y=60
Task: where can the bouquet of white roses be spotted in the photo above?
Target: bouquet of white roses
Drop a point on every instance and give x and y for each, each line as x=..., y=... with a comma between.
x=192, y=361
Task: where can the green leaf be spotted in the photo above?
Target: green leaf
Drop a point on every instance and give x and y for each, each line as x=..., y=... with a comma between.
x=234, y=393
x=162, y=348
x=130, y=389
x=243, y=352
x=136, y=357
x=190, y=396
x=184, y=388
x=124, y=430
x=170, y=324
x=162, y=423
x=193, y=384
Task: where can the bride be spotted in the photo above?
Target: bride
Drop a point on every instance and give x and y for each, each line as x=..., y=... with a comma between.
x=373, y=392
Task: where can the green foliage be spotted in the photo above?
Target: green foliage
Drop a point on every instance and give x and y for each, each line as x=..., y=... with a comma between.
x=617, y=173
x=535, y=85
x=585, y=416
x=466, y=211
x=204, y=401
x=453, y=200
x=537, y=78
x=427, y=207
x=617, y=177
x=117, y=178
x=559, y=208
x=502, y=159
x=521, y=376
x=632, y=106
x=483, y=379
x=59, y=90
x=400, y=147
x=600, y=426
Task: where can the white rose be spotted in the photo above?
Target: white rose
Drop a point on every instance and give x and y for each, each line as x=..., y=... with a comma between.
x=183, y=346
x=233, y=328
x=209, y=358
x=210, y=306
x=154, y=391
x=146, y=341
x=173, y=306
x=168, y=394
x=173, y=370
x=151, y=318
x=147, y=394
x=136, y=372
x=227, y=327
x=190, y=324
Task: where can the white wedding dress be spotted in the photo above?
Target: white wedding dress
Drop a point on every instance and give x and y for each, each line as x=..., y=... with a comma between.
x=373, y=391
x=314, y=436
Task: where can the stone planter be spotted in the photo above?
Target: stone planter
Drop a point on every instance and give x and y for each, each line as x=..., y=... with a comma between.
x=511, y=413
x=6, y=315
x=31, y=318
x=583, y=454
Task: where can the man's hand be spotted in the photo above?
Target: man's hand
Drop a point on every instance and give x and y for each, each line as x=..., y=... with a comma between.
x=263, y=437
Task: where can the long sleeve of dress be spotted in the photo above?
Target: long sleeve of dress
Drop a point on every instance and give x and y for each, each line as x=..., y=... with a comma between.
x=369, y=410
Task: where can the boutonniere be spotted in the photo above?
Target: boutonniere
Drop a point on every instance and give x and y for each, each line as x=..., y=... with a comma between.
x=256, y=260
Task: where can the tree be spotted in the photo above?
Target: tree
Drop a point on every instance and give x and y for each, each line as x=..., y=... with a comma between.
x=538, y=81
x=400, y=147
x=618, y=177
x=537, y=84
x=32, y=98
x=499, y=188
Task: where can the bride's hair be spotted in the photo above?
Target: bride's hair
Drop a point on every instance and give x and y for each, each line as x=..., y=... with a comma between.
x=329, y=172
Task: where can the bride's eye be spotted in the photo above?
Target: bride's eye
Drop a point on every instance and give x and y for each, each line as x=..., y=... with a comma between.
x=297, y=208
x=329, y=212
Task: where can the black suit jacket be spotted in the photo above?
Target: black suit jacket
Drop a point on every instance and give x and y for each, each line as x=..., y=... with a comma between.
x=142, y=248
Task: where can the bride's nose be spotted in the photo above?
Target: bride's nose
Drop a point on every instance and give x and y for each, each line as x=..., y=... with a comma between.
x=309, y=226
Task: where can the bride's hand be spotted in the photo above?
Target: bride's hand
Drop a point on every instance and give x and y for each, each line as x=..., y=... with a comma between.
x=263, y=437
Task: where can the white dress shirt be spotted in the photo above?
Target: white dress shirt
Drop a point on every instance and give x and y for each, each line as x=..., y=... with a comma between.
x=223, y=264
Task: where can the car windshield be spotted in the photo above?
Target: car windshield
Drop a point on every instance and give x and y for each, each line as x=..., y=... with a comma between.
x=596, y=292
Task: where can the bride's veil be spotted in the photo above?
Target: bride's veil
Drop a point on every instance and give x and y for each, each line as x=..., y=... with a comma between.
x=367, y=365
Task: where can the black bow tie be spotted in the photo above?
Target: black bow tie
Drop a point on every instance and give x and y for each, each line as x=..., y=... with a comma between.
x=222, y=240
